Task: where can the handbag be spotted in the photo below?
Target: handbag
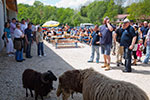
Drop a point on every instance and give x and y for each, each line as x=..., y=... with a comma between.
x=3, y=37
x=17, y=43
x=135, y=47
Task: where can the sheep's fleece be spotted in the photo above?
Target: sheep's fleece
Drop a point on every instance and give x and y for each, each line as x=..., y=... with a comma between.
x=96, y=86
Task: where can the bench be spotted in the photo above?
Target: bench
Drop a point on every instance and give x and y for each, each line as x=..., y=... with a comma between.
x=57, y=42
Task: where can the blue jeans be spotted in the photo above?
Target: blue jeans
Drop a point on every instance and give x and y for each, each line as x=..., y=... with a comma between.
x=147, y=54
x=40, y=48
x=19, y=55
x=28, y=49
x=127, y=56
x=95, y=48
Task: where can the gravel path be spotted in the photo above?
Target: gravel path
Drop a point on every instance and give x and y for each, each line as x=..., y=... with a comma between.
x=59, y=61
x=11, y=74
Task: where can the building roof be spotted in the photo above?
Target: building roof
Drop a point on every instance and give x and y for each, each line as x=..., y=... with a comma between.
x=122, y=16
x=11, y=5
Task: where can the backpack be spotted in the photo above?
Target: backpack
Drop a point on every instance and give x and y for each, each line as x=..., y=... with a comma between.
x=3, y=37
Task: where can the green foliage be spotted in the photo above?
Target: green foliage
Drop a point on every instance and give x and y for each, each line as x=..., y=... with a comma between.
x=77, y=19
x=94, y=13
x=112, y=10
x=140, y=10
x=39, y=14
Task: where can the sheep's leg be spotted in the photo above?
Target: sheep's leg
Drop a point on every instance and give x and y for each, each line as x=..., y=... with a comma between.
x=41, y=97
x=65, y=95
x=36, y=95
x=26, y=92
x=31, y=93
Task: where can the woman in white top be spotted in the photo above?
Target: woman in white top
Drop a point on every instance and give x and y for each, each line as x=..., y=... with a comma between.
x=19, y=38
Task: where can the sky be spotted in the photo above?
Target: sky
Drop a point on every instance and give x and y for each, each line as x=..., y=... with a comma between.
x=59, y=3
x=75, y=4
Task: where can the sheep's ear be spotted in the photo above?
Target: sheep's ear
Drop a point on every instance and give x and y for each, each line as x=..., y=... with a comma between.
x=49, y=71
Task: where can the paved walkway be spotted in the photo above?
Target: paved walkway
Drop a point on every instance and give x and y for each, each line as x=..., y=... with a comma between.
x=78, y=57
x=59, y=61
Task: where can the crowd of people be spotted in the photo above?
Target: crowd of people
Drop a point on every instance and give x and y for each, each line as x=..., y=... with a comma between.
x=129, y=39
x=19, y=37
x=125, y=40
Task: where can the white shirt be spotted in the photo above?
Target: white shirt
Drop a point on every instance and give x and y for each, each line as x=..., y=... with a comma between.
x=17, y=33
x=33, y=28
x=23, y=27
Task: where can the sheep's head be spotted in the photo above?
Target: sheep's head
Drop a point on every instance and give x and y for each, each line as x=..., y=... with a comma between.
x=48, y=77
x=69, y=82
x=65, y=92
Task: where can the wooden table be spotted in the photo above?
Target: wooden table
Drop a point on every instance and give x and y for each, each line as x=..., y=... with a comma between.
x=62, y=40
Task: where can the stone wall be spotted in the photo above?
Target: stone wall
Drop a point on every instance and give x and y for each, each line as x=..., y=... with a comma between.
x=1, y=25
x=11, y=14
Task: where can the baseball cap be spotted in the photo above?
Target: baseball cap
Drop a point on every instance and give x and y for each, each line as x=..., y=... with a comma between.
x=145, y=21
x=135, y=26
x=126, y=20
x=106, y=17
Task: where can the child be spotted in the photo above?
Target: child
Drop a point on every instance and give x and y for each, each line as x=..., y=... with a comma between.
x=140, y=49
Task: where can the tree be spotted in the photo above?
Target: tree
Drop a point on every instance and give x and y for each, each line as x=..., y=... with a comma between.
x=112, y=10
x=83, y=11
x=139, y=10
x=94, y=13
x=37, y=4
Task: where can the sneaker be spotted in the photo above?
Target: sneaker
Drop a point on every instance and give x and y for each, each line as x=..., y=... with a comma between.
x=89, y=61
x=121, y=63
x=139, y=60
x=44, y=55
x=118, y=64
x=9, y=55
x=126, y=71
x=40, y=55
x=97, y=61
x=19, y=60
x=29, y=57
x=144, y=63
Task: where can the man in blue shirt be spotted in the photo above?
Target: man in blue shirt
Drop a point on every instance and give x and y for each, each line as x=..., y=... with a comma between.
x=106, y=41
x=144, y=31
x=95, y=45
x=128, y=40
x=29, y=39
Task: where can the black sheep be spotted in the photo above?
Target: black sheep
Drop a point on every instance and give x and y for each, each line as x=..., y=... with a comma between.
x=41, y=83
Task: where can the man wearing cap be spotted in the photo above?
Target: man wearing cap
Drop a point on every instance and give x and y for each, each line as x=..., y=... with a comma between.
x=13, y=27
x=106, y=41
x=144, y=31
x=128, y=40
